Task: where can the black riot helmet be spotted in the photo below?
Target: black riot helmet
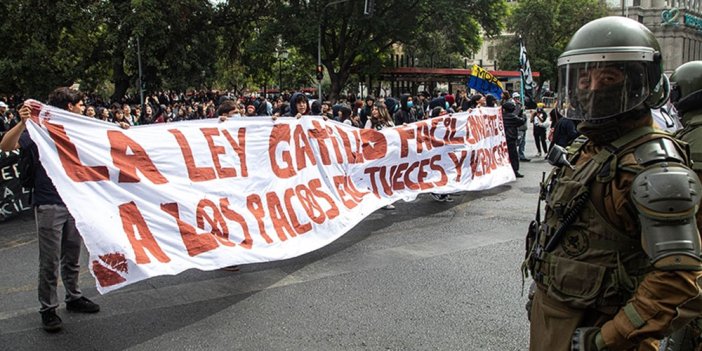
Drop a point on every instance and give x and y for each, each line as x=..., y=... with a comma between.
x=611, y=66
x=686, y=87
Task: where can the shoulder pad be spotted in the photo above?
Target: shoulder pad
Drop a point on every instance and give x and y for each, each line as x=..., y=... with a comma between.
x=666, y=198
x=667, y=191
x=659, y=150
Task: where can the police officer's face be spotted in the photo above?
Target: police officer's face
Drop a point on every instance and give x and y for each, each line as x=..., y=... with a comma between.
x=599, y=78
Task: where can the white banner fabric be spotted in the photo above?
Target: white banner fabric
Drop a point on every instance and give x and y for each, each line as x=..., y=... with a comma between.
x=160, y=199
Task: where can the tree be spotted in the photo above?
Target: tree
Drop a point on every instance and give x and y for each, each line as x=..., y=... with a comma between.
x=546, y=26
x=46, y=44
x=193, y=43
x=247, y=43
x=354, y=43
x=177, y=43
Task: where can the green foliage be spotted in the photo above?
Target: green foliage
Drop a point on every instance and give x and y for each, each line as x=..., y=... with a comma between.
x=44, y=44
x=354, y=43
x=230, y=44
x=546, y=27
x=176, y=43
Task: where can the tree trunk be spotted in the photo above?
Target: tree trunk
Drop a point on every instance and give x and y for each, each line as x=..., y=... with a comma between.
x=120, y=78
x=338, y=81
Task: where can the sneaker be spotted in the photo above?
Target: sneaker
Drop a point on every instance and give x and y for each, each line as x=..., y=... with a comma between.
x=518, y=175
x=389, y=207
x=82, y=305
x=51, y=321
x=438, y=197
x=448, y=198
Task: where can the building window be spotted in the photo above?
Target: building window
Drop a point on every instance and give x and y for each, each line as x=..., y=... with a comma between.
x=637, y=3
x=640, y=19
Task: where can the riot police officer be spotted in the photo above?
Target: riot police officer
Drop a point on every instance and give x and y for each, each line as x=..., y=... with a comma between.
x=616, y=260
x=686, y=96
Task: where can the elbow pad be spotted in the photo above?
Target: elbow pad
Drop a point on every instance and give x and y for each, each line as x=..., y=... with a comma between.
x=667, y=196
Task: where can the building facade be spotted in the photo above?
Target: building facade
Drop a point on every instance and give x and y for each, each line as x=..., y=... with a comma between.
x=677, y=24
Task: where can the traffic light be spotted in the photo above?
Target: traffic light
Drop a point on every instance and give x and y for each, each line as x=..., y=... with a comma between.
x=320, y=72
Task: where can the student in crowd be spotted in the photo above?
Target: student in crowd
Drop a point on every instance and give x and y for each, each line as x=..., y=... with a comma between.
x=490, y=101
x=104, y=114
x=299, y=106
x=327, y=110
x=347, y=117
x=423, y=105
x=366, y=109
x=407, y=112
x=90, y=111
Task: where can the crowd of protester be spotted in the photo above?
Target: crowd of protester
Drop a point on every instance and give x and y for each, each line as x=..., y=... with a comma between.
x=163, y=107
x=369, y=112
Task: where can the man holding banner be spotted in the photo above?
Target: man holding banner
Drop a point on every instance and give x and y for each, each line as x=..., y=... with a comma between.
x=59, y=240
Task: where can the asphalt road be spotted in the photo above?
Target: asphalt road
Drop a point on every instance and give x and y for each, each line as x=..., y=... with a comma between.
x=426, y=276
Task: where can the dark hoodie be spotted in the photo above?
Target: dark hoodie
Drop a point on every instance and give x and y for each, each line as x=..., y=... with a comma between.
x=316, y=108
x=392, y=104
x=366, y=110
x=405, y=114
x=293, y=105
x=511, y=119
x=438, y=102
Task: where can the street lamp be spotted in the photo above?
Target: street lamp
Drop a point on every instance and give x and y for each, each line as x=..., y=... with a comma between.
x=282, y=56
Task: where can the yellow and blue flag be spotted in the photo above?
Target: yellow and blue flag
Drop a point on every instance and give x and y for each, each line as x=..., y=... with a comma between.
x=483, y=81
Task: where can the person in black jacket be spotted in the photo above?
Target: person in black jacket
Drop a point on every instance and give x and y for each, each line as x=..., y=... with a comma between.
x=366, y=110
x=299, y=106
x=565, y=132
x=407, y=112
x=512, y=120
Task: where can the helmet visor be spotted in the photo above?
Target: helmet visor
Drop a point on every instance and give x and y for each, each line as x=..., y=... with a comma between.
x=598, y=90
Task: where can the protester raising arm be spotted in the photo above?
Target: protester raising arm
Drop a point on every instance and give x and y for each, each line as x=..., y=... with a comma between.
x=11, y=139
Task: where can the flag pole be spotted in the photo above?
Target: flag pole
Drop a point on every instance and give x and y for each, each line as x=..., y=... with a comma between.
x=521, y=73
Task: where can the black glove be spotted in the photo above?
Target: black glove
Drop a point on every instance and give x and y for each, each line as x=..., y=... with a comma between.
x=585, y=339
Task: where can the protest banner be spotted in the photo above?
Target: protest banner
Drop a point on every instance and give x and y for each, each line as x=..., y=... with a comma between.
x=484, y=82
x=163, y=198
x=14, y=199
